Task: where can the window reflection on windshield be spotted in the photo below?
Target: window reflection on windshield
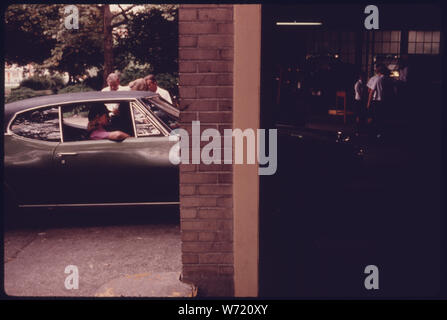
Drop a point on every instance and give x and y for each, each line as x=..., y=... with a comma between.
x=143, y=125
x=163, y=110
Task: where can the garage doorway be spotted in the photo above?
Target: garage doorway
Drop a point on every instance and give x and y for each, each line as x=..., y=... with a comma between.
x=327, y=214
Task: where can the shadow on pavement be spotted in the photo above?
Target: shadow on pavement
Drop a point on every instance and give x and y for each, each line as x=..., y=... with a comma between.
x=90, y=217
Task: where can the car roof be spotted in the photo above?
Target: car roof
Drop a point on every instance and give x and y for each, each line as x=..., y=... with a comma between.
x=13, y=107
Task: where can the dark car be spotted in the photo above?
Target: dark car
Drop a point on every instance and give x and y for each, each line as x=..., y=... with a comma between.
x=49, y=160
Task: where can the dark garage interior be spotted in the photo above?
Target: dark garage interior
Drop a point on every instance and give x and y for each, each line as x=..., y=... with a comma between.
x=342, y=198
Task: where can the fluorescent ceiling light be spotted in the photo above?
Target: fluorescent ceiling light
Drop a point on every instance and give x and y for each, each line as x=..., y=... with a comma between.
x=294, y=23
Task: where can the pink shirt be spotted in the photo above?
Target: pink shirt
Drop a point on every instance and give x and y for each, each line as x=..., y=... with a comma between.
x=99, y=134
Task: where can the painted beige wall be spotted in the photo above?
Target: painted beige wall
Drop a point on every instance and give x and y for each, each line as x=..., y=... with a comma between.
x=246, y=108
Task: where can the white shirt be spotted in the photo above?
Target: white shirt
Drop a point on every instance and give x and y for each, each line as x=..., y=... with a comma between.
x=113, y=106
x=164, y=94
x=376, y=84
x=120, y=88
x=358, y=88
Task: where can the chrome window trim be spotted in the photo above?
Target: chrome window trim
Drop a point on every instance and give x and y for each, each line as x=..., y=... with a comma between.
x=152, y=118
x=60, y=124
x=131, y=104
x=166, y=128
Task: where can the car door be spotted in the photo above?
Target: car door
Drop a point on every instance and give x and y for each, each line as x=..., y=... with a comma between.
x=134, y=171
x=29, y=145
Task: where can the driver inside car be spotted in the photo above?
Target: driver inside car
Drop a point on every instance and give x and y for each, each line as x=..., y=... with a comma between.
x=98, y=120
x=121, y=120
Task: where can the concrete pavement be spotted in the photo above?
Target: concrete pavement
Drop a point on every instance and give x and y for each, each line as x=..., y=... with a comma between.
x=128, y=254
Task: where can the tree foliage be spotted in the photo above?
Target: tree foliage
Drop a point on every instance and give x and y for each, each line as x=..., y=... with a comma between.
x=37, y=82
x=134, y=70
x=36, y=34
x=78, y=50
x=152, y=38
x=30, y=32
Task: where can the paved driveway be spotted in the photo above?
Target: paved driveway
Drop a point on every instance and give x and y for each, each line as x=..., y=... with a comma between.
x=103, y=244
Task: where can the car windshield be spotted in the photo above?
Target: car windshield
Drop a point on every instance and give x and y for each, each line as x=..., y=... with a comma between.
x=163, y=110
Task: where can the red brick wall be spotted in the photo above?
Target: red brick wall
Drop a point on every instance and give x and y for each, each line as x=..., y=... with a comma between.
x=206, y=203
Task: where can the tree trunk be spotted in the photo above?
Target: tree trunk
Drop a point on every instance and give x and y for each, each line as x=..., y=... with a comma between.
x=108, y=43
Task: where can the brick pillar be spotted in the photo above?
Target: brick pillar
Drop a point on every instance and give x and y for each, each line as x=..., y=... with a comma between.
x=206, y=202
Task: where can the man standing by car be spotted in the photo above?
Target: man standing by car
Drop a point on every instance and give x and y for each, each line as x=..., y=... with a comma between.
x=98, y=120
x=151, y=83
x=113, y=83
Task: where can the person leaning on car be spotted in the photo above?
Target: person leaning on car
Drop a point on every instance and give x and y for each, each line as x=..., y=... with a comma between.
x=138, y=85
x=98, y=119
x=151, y=83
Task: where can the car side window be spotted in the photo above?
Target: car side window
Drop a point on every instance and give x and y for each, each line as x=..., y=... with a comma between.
x=143, y=125
x=75, y=120
x=40, y=124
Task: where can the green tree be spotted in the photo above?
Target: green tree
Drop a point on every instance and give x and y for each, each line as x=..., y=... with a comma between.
x=78, y=50
x=37, y=34
x=105, y=40
x=30, y=32
x=152, y=39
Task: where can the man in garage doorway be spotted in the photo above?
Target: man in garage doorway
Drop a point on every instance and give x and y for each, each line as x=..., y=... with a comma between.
x=376, y=104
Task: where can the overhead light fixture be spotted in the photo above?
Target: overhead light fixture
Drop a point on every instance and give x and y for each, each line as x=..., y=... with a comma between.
x=295, y=23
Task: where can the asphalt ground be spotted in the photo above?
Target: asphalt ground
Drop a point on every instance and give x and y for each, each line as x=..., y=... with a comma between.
x=108, y=246
x=320, y=234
